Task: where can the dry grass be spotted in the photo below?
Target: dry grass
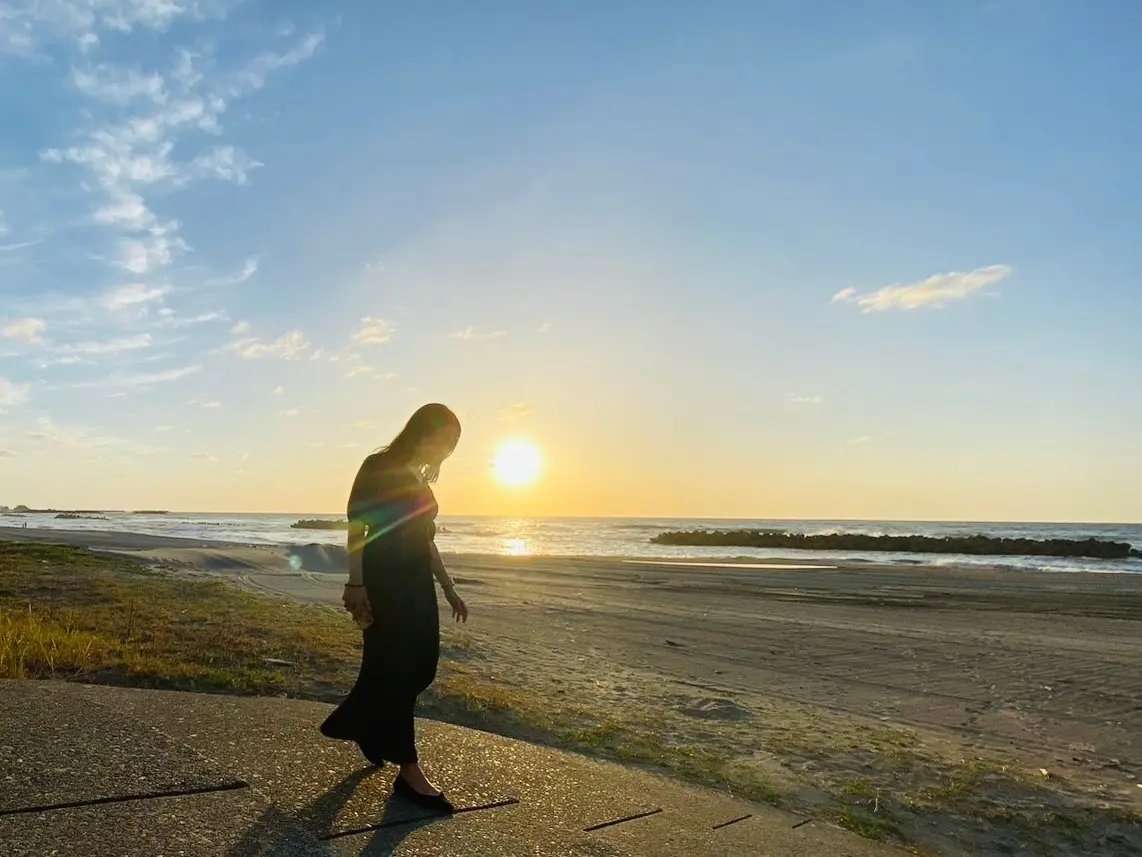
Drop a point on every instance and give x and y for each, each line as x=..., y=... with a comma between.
x=67, y=613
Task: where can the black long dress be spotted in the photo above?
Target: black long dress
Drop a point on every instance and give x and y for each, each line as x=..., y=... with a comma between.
x=402, y=645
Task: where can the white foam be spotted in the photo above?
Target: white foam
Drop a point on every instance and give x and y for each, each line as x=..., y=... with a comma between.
x=774, y=565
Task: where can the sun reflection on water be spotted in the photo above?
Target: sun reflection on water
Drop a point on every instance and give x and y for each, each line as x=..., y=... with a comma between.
x=515, y=547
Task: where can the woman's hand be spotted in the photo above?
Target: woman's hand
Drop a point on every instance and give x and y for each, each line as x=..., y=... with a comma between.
x=356, y=601
x=459, y=608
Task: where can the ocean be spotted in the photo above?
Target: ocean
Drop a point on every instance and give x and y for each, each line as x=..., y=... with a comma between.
x=621, y=537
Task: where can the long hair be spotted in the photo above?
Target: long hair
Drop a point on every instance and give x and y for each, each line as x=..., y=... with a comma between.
x=427, y=420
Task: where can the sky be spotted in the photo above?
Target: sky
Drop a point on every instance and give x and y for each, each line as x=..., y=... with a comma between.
x=874, y=259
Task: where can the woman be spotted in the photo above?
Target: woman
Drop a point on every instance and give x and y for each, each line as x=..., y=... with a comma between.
x=392, y=561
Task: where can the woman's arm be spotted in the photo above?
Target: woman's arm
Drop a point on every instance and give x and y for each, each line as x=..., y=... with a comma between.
x=355, y=545
x=440, y=572
x=459, y=608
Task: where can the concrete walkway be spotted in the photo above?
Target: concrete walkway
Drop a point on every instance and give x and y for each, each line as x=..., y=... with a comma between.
x=91, y=771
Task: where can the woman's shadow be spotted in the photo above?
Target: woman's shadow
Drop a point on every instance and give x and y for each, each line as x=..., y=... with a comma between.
x=277, y=832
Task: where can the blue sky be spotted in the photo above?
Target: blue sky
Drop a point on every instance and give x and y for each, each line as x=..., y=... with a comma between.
x=832, y=259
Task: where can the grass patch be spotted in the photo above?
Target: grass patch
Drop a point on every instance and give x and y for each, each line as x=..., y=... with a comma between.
x=70, y=614
x=869, y=825
x=961, y=785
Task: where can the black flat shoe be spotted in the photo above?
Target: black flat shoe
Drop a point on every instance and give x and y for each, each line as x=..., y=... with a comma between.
x=438, y=803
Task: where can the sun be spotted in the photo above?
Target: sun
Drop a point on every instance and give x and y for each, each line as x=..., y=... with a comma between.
x=517, y=463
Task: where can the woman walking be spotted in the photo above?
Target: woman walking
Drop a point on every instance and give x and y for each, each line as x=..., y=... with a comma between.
x=392, y=562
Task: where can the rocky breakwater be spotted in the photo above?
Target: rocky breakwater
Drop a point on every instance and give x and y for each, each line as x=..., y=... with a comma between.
x=315, y=524
x=978, y=545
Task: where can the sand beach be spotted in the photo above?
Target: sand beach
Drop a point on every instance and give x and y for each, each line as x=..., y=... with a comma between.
x=925, y=690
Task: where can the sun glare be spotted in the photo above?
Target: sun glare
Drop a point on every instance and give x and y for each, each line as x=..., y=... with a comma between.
x=517, y=463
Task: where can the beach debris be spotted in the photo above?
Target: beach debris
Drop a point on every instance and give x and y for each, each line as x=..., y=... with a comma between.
x=278, y=662
x=675, y=644
x=1043, y=772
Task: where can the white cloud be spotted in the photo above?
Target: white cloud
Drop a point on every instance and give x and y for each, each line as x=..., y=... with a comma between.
x=133, y=296
x=249, y=268
x=3, y=224
x=27, y=25
x=795, y=399
x=226, y=163
x=171, y=320
x=155, y=249
x=242, y=456
x=254, y=76
x=126, y=208
x=141, y=381
x=50, y=433
x=517, y=411
x=27, y=330
x=154, y=117
x=289, y=412
x=936, y=291
x=119, y=85
x=859, y=440
x=12, y=394
x=373, y=331
x=110, y=346
x=288, y=346
x=240, y=328
x=470, y=334
x=546, y=326
x=278, y=391
x=70, y=360
x=358, y=371
x=203, y=456
x=211, y=405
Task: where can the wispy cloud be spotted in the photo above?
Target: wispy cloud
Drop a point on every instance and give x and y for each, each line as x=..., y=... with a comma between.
x=796, y=399
x=27, y=26
x=49, y=433
x=241, y=328
x=142, y=121
x=12, y=394
x=248, y=269
x=288, y=346
x=109, y=346
x=142, y=380
x=210, y=405
x=226, y=163
x=936, y=291
x=203, y=456
x=373, y=331
x=27, y=330
x=546, y=326
x=856, y=441
x=289, y=412
x=517, y=411
x=470, y=334
x=133, y=296
x=279, y=391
